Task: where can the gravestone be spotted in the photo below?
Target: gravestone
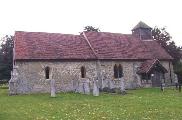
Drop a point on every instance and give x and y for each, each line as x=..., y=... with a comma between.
x=122, y=86
x=83, y=86
x=79, y=89
x=105, y=83
x=86, y=86
x=95, y=88
x=111, y=84
x=53, y=89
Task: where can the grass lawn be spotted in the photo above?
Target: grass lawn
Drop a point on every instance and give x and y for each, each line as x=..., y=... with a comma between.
x=137, y=104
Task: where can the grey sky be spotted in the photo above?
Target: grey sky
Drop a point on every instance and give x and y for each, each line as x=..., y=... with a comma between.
x=70, y=16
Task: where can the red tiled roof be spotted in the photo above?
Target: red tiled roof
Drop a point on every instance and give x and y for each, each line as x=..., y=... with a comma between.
x=147, y=66
x=156, y=50
x=124, y=46
x=39, y=45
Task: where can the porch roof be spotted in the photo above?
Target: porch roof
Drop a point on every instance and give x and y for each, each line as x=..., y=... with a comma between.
x=148, y=65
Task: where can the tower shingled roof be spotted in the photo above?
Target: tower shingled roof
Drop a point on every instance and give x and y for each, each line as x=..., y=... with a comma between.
x=141, y=25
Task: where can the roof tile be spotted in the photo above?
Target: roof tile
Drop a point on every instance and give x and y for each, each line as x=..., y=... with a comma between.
x=40, y=45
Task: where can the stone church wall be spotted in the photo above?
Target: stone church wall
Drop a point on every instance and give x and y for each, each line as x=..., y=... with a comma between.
x=131, y=79
x=68, y=74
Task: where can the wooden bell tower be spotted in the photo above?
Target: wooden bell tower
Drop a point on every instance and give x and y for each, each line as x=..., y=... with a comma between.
x=142, y=31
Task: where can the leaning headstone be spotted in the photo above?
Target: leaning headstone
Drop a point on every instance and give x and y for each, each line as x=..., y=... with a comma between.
x=86, y=86
x=53, y=89
x=122, y=86
x=95, y=88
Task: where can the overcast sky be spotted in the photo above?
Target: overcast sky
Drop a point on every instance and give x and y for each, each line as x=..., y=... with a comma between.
x=70, y=16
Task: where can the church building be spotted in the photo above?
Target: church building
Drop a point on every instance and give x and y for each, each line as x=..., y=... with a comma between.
x=103, y=56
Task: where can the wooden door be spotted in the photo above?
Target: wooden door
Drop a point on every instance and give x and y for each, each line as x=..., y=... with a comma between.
x=156, y=79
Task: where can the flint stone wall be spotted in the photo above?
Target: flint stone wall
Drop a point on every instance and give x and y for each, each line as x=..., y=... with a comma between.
x=67, y=75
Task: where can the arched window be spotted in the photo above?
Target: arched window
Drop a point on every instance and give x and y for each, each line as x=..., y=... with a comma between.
x=115, y=71
x=83, y=72
x=47, y=72
x=120, y=71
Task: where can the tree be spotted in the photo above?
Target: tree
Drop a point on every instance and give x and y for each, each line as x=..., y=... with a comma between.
x=164, y=39
x=6, y=57
x=178, y=71
x=91, y=28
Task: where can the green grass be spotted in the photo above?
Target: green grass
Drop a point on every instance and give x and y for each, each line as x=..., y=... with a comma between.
x=141, y=104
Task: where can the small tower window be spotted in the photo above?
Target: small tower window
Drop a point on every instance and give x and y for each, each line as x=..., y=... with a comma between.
x=47, y=72
x=83, y=72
